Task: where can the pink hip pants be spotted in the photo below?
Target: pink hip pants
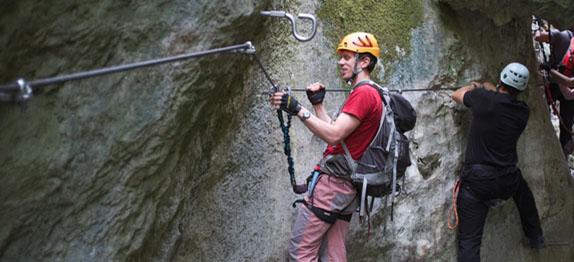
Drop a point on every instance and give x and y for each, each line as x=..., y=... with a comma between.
x=315, y=240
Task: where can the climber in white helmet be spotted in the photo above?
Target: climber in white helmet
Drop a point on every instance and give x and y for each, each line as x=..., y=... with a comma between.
x=490, y=174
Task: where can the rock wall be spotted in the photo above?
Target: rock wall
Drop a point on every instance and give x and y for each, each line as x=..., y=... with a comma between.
x=185, y=161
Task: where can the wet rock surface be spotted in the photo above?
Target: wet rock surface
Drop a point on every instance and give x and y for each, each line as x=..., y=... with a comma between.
x=184, y=161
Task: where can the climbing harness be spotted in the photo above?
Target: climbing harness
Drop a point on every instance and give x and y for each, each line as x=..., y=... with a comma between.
x=314, y=178
x=21, y=91
x=283, y=14
x=455, y=190
x=325, y=215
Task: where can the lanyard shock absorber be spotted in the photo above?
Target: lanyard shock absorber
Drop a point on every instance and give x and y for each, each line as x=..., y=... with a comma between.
x=299, y=189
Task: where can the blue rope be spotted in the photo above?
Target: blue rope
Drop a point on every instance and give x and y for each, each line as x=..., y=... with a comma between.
x=287, y=140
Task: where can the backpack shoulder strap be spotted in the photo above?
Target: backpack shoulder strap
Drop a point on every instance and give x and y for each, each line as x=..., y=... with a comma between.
x=383, y=91
x=364, y=82
x=350, y=160
x=386, y=98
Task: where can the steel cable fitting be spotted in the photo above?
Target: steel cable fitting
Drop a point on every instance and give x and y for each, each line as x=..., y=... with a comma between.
x=21, y=90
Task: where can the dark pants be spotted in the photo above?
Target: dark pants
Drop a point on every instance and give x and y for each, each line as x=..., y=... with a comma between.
x=480, y=184
x=566, y=113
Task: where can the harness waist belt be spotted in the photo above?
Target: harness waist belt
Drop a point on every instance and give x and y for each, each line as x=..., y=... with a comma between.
x=484, y=167
x=327, y=216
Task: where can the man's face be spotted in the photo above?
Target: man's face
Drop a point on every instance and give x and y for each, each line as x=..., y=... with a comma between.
x=347, y=63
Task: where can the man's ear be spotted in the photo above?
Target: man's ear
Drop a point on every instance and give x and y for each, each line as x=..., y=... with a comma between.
x=365, y=62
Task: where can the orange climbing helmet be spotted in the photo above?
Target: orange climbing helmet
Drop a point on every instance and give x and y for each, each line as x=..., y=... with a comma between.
x=359, y=42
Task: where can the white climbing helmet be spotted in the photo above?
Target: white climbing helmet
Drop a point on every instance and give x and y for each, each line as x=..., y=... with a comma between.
x=515, y=75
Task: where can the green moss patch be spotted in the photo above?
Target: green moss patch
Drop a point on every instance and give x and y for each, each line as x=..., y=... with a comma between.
x=389, y=21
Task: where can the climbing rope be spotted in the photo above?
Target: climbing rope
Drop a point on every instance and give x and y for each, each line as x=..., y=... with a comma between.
x=455, y=190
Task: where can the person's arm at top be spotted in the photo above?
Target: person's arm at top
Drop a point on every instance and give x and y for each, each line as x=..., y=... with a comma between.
x=541, y=36
x=561, y=78
x=487, y=85
x=564, y=82
x=458, y=95
x=566, y=92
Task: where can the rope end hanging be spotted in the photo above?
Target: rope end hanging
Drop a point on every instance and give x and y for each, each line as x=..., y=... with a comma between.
x=455, y=190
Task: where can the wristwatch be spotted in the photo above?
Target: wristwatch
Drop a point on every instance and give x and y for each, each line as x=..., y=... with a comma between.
x=306, y=115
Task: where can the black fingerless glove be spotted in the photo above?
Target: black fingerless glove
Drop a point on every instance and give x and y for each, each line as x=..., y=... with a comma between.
x=317, y=97
x=289, y=104
x=545, y=67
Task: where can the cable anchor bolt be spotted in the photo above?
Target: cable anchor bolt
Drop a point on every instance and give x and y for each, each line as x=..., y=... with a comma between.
x=249, y=50
x=283, y=14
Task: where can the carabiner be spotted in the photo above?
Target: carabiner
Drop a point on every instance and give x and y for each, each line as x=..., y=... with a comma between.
x=294, y=24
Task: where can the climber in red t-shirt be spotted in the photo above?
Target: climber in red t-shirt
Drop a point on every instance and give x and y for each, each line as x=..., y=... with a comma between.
x=317, y=236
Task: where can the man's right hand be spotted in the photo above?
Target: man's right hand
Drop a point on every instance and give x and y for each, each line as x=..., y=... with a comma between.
x=285, y=102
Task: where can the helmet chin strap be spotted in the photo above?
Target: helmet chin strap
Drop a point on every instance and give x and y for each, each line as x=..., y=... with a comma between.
x=355, y=71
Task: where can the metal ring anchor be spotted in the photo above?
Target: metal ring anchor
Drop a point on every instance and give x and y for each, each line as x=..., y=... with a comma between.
x=294, y=24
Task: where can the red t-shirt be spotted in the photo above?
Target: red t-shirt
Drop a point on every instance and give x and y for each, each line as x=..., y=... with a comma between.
x=366, y=105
